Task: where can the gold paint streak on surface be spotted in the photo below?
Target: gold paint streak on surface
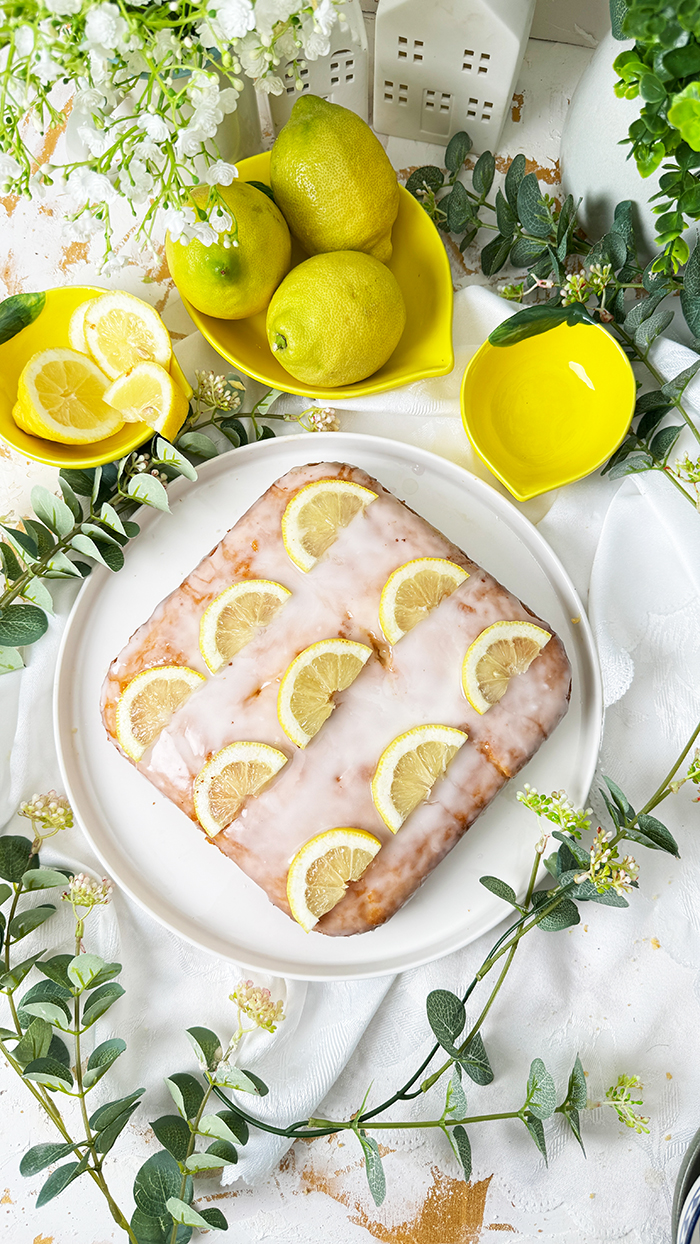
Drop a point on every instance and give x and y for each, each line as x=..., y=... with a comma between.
x=43, y=1239
x=51, y=138
x=6, y=1199
x=516, y=111
x=9, y=202
x=500, y=1226
x=77, y=252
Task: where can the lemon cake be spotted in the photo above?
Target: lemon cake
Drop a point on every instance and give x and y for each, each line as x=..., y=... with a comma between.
x=334, y=695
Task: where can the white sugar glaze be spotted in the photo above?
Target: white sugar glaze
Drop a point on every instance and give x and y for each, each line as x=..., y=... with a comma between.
x=418, y=681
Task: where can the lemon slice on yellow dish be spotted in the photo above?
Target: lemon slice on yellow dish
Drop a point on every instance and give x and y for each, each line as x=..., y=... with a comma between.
x=232, y=619
x=497, y=655
x=233, y=775
x=121, y=331
x=148, y=703
x=409, y=768
x=148, y=394
x=321, y=871
x=61, y=396
x=413, y=590
x=76, y=328
x=316, y=514
x=306, y=692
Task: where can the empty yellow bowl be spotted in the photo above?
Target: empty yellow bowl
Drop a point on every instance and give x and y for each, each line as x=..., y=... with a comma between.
x=549, y=410
x=49, y=330
x=422, y=269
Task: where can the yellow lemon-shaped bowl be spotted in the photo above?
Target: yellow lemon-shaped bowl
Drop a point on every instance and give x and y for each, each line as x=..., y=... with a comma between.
x=550, y=409
x=49, y=330
x=422, y=269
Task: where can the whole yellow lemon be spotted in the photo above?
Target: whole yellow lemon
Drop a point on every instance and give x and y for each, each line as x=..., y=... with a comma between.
x=234, y=282
x=333, y=181
x=336, y=318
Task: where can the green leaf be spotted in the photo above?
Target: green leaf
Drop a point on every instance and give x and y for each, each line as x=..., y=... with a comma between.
x=38, y=594
x=182, y=1212
x=234, y=1077
x=186, y=1092
x=429, y=176
x=83, y=969
x=690, y=292
x=45, y=991
x=664, y=441
x=49, y=1072
x=214, y=1218
x=17, y=312
x=44, y=539
x=621, y=800
x=43, y=879
x=525, y=252
x=70, y=499
x=24, y=539
x=494, y=255
x=156, y=1182
x=198, y=1162
x=260, y=185
x=26, y=921
x=105, y=974
x=538, y=319
x=633, y=466
x=40, y=1156
x=56, y=970
x=50, y=1011
x=652, y=328
x=225, y=1150
x=106, y=1115
x=109, y=1135
x=475, y=1061
x=541, y=1090
x=650, y=421
x=500, y=888
x=195, y=443
x=206, y=1046
x=148, y=490
x=266, y=433
x=157, y=1230
x=532, y=209
x=456, y=1097
x=577, y=1091
x=446, y=1016
x=14, y=977
x=83, y=544
x=9, y=563
x=59, y=1050
x=60, y=567
x=100, y=1001
x=483, y=174
x=173, y=1134
x=102, y=536
x=15, y=852
x=109, y=516
x=652, y=89
x=536, y=1130
x=34, y=1044
x=236, y=1125
x=458, y=207
x=462, y=1148
x=53, y=512
x=60, y=1179
x=5, y=892
x=572, y=1117
x=513, y=178
x=21, y=625
x=215, y=1126
x=618, y=12
x=457, y=150
x=10, y=660
x=673, y=388
x=79, y=481
x=651, y=833
x=642, y=309
x=563, y=916
x=373, y=1167
x=170, y=456
x=101, y=1060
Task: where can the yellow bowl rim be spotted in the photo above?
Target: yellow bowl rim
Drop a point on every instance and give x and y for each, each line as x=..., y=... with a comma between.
x=568, y=479
x=51, y=456
x=364, y=387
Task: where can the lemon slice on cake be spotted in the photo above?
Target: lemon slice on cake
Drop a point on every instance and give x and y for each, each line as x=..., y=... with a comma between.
x=233, y=775
x=148, y=394
x=409, y=768
x=121, y=331
x=148, y=703
x=232, y=619
x=317, y=513
x=413, y=590
x=306, y=692
x=321, y=871
x=502, y=651
x=61, y=396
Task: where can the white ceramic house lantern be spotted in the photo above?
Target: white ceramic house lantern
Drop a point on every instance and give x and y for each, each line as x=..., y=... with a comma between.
x=448, y=65
x=341, y=77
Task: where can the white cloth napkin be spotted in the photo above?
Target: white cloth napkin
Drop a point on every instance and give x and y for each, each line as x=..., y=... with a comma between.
x=622, y=988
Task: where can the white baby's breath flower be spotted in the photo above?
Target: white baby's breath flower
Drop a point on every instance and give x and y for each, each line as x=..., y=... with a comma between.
x=228, y=98
x=189, y=141
x=9, y=167
x=271, y=85
x=177, y=220
x=24, y=40
x=105, y=28
x=46, y=69
x=269, y=12
x=95, y=140
x=82, y=229
x=155, y=127
x=220, y=173
x=202, y=231
x=88, y=100
x=234, y=18
x=63, y=8
x=220, y=220
x=113, y=263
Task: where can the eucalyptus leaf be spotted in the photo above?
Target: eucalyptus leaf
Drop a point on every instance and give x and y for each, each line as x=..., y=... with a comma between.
x=506, y=218
x=101, y=1060
x=70, y=499
x=56, y=970
x=458, y=207
x=52, y=511
x=513, y=178
x=105, y=1115
x=107, y=973
x=577, y=1091
x=620, y=798
x=571, y=1115
x=45, y=540
x=15, y=852
x=475, y=1061
x=37, y=593
x=156, y=1182
x=109, y=1134
x=149, y=490
x=40, y=1156
x=213, y=1125
x=35, y=1043
x=9, y=563
x=196, y=443
x=26, y=921
x=650, y=421
x=173, y=1134
x=223, y=1149
x=428, y=177
x=60, y=1179
x=61, y=567
x=675, y=387
x=651, y=833
x=495, y=254
x=43, y=879
x=456, y=1097
x=373, y=1167
x=182, y=1212
x=233, y=1077
x=24, y=539
x=198, y=1162
x=206, y=1046
x=168, y=454
x=457, y=150
x=664, y=441
x=83, y=969
x=236, y=1125
x=14, y=976
x=59, y=1050
x=525, y=251
x=49, y=1072
x=500, y=888
x=186, y=1092
x=563, y=916
x=102, y=536
x=631, y=466
x=483, y=174
x=100, y=1001
x=463, y=1149
x=50, y=1011
x=5, y=892
x=541, y=1090
x=614, y=249
x=690, y=291
x=45, y=991
x=10, y=660
x=536, y=1130
x=652, y=328
x=532, y=209
x=21, y=625
x=79, y=481
x=83, y=544
x=537, y=319
x=446, y=1016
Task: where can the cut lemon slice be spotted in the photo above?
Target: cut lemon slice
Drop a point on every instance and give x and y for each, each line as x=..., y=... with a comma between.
x=233, y=775
x=148, y=703
x=497, y=655
x=76, y=328
x=231, y=620
x=320, y=873
x=409, y=768
x=413, y=590
x=148, y=394
x=315, y=515
x=121, y=331
x=306, y=692
x=61, y=396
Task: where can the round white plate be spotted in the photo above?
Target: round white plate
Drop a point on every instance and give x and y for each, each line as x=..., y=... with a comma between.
x=151, y=848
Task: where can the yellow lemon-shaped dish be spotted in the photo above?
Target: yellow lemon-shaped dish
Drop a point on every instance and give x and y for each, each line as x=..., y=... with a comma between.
x=550, y=409
x=50, y=330
x=420, y=264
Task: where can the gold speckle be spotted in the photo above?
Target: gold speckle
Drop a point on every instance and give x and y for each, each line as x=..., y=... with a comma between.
x=656, y=943
x=575, y=620
x=668, y=1075
x=6, y=1199
x=667, y=1137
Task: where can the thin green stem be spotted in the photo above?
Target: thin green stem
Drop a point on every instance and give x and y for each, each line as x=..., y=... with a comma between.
x=644, y=358
x=443, y=1122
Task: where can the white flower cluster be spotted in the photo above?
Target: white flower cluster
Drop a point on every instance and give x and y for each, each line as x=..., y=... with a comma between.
x=149, y=101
